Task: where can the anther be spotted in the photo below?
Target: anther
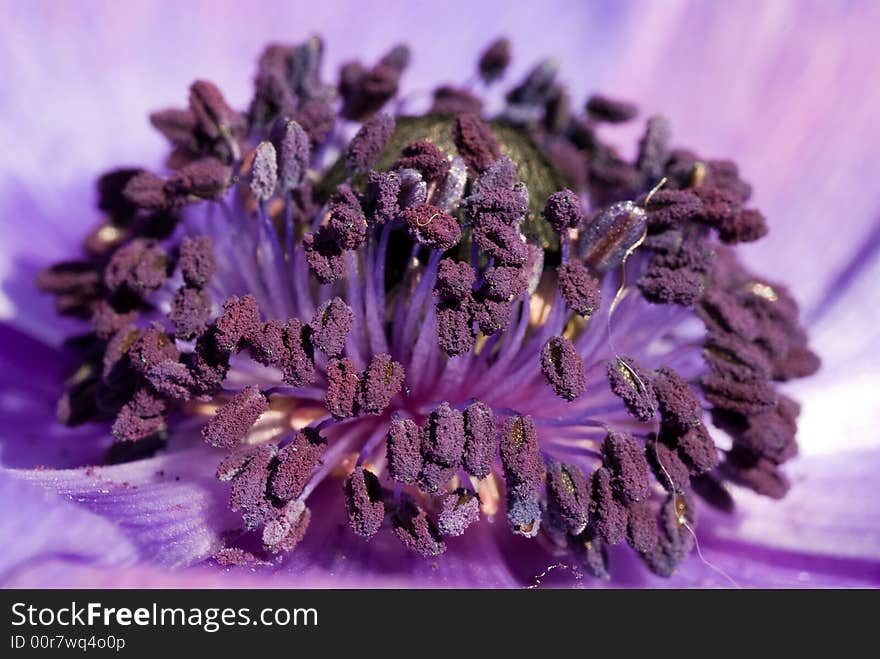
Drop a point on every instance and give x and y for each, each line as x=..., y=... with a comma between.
x=625, y=461
x=568, y=496
x=461, y=508
x=363, y=500
x=678, y=404
x=481, y=441
x=475, y=142
x=342, y=388
x=239, y=321
x=632, y=384
x=417, y=532
x=610, y=110
x=368, y=143
x=264, y=172
x=196, y=260
x=432, y=226
x=295, y=463
x=380, y=383
x=293, y=151
x=580, y=289
x=563, y=210
x=232, y=420
x=563, y=368
x=404, y=450
x=523, y=473
x=330, y=326
x=494, y=60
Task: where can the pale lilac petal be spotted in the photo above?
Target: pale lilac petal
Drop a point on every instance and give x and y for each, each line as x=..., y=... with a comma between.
x=39, y=527
x=171, y=507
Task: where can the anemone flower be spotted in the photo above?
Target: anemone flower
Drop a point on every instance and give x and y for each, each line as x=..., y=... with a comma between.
x=421, y=307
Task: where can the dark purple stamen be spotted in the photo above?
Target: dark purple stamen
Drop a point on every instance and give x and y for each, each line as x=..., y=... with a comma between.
x=172, y=379
x=196, y=261
x=748, y=469
x=299, y=364
x=632, y=384
x=608, y=514
x=641, y=528
x=363, y=500
x=678, y=404
x=501, y=242
x=140, y=267
x=443, y=436
x=563, y=210
x=380, y=202
x=368, y=143
x=267, y=344
x=491, y=316
x=568, y=497
x=417, y=532
x=455, y=279
x=106, y=320
x=677, y=275
x=625, y=461
x=475, y=142
x=404, y=444
x=142, y=416
x=669, y=209
x=432, y=226
x=504, y=283
x=381, y=382
x=669, y=469
x=207, y=178
x=610, y=110
x=151, y=347
x=580, y=289
x=342, y=388
x=264, y=173
x=654, y=149
x=324, y=256
x=752, y=396
x=591, y=553
x=674, y=540
x=249, y=473
x=426, y=159
x=563, y=368
x=239, y=321
x=364, y=91
x=347, y=221
x=455, y=100
x=232, y=420
x=295, y=463
x=190, y=312
x=293, y=151
x=494, y=60
x=213, y=115
x=330, y=326
x=481, y=441
x=523, y=473
x=284, y=532
x=461, y=508
x=697, y=450
x=455, y=333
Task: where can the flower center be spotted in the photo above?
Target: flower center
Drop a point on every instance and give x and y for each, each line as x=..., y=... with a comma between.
x=450, y=315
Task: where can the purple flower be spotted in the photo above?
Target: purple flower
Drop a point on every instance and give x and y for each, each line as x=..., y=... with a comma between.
x=514, y=343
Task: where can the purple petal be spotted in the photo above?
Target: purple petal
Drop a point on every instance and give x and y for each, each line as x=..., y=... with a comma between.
x=171, y=507
x=41, y=528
